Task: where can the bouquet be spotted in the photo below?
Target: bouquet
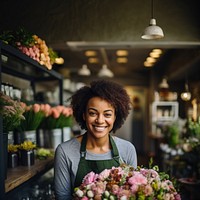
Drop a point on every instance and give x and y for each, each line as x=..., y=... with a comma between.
x=31, y=45
x=34, y=115
x=11, y=111
x=126, y=183
x=58, y=117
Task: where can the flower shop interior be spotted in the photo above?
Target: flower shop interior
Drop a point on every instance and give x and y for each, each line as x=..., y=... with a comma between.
x=88, y=40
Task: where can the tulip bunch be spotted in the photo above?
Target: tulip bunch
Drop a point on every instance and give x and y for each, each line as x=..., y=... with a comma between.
x=34, y=115
x=58, y=117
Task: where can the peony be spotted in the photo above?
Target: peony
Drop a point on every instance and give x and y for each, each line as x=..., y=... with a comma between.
x=104, y=174
x=137, y=179
x=89, y=178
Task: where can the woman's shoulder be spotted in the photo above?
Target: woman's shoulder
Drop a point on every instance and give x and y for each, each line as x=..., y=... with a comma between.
x=72, y=141
x=69, y=145
x=123, y=144
x=119, y=140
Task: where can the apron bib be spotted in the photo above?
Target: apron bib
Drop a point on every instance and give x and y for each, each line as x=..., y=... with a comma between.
x=97, y=166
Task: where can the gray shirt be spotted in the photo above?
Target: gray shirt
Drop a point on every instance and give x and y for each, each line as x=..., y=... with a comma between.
x=67, y=158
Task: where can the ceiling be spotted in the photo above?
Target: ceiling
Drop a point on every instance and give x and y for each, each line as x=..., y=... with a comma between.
x=72, y=27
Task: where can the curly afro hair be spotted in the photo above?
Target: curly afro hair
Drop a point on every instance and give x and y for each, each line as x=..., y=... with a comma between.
x=112, y=92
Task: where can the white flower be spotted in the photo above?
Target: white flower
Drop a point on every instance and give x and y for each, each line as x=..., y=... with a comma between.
x=90, y=194
x=79, y=192
x=123, y=198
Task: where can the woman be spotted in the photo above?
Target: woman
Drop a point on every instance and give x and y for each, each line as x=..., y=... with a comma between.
x=100, y=109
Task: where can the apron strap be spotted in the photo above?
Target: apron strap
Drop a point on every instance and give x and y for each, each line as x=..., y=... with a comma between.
x=83, y=146
x=112, y=142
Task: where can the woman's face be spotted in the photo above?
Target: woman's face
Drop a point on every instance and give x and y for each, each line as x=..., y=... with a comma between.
x=99, y=117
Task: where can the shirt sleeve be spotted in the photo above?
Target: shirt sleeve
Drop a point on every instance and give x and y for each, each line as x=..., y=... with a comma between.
x=62, y=179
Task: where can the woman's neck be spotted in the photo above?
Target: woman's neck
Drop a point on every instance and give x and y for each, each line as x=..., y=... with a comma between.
x=100, y=145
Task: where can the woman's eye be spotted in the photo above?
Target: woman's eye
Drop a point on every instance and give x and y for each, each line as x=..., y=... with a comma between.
x=108, y=115
x=92, y=114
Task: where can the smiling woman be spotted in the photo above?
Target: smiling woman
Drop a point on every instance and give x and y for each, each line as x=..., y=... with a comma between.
x=100, y=109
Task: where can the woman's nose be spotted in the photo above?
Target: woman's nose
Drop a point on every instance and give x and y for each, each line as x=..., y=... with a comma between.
x=100, y=119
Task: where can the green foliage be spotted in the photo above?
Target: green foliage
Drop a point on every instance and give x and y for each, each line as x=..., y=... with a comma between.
x=20, y=35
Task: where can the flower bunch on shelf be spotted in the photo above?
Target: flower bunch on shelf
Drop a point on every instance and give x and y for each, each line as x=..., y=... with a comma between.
x=31, y=45
x=34, y=114
x=11, y=111
x=126, y=183
x=59, y=117
x=12, y=148
x=43, y=153
x=27, y=145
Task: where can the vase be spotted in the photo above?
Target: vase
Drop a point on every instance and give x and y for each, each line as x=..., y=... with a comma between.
x=66, y=133
x=10, y=137
x=30, y=135
x=13, y=159
x=27, y=157
x=41, y=138
x=56, y=137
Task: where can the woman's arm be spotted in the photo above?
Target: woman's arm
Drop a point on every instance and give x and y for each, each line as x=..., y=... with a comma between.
x=62, y=179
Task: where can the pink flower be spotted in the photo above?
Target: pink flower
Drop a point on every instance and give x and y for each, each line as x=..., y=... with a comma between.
x=46, y=108
x=137, y=179
x=99, y=187
x=67, y=111
x=115, y=189
x=122, y=193
x=104, y=174
x=148, y=190
x=55, y=113
x=85, y=198
x=89, y=178
x=36, y=108
x=134, y=188
x=177, y=197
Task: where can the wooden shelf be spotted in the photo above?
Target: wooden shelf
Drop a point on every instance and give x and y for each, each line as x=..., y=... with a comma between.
x=20, y=174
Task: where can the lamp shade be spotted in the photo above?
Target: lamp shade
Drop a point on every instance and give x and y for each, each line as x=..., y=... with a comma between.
x=105, y=72
x=84, y=71
x=152, y=31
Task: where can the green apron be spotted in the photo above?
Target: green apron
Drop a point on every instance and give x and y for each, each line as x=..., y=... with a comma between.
x=97, y=166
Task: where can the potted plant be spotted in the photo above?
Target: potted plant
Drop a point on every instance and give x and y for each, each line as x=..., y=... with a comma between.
x=59, y=117
x=11, y=112
x=34, y=114
x=13, y=155
x=27, y=153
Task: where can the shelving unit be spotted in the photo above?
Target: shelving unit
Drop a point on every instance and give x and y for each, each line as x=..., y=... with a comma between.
x=163, y=113
x=21, y=66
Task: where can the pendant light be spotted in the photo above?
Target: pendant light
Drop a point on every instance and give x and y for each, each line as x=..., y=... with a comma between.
x=186, y=95
x=152, y=31
x=105, y=72
x=84, y=71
